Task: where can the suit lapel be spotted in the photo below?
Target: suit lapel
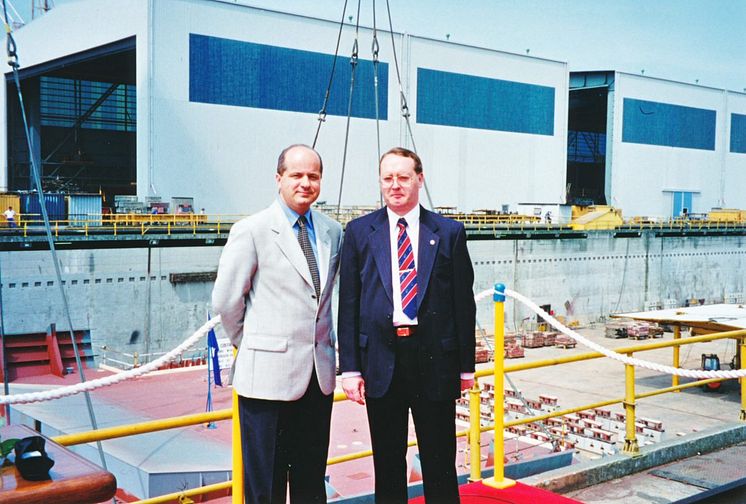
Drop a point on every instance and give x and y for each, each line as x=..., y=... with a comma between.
x=427, y=250
x=379, y=242
x=323, y=247
x=288, y=243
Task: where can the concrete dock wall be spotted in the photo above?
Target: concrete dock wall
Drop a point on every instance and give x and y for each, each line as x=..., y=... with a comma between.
x=129, y=300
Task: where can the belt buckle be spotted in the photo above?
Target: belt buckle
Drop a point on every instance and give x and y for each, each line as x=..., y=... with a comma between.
x=404, y=332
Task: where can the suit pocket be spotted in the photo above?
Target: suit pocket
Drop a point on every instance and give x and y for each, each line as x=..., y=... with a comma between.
x=266, y=343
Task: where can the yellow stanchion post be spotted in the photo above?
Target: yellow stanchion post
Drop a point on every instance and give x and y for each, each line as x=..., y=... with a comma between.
x=237, y=492
x=742, y=415
x=630, y=439
x=475, y=434
x=499, y=480
x=676, y=354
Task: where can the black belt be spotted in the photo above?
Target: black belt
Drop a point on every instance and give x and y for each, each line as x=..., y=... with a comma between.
x=405, y=331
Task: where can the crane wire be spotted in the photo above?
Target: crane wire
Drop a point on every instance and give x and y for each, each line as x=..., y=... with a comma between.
x=322, y=112
x=375, y=49
x=403, y=98
x=353, y=67
x=12, y=51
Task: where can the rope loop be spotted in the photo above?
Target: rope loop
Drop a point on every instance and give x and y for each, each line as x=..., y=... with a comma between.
x=624, y=359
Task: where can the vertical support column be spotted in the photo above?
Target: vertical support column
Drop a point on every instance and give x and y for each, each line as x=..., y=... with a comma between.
x=630, y=438
x=475, y=434
x=499, y=480
x=237, y=466
x=53, y=351
x=742, y=349
x=676, y=353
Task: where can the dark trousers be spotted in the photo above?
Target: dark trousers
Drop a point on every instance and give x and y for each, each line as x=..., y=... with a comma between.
x=285, y=441
x=434, y=422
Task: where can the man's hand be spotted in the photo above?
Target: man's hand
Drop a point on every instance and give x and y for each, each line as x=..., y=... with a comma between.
x=467, y=384
x=354, y=388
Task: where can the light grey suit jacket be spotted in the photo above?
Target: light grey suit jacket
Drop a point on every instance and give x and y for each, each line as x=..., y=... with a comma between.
x=265, y=296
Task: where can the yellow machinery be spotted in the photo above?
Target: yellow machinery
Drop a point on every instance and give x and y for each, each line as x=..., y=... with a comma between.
x=596, y=217
x=727, y=215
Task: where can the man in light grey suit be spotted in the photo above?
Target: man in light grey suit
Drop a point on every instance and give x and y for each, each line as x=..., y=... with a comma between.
x=273, y=292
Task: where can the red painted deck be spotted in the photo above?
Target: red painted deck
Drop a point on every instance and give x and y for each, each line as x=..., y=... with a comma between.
x=478, y=493
x=183, y=391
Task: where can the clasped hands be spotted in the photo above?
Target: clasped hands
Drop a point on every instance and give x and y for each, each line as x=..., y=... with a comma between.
x=354, y=388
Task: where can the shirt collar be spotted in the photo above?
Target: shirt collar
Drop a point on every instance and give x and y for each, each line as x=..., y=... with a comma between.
x=412, y=217
x=292, y=215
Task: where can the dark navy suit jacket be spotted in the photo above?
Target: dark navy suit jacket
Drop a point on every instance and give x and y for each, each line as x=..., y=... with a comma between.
x=445, y=304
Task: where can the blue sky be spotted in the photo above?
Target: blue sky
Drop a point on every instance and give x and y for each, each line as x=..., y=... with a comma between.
x=683, y=40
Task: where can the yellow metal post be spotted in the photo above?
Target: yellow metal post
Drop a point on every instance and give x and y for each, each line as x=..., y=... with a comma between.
x=499, y=480
x=630, y=438
x=237, y=492
x=676, y=353
x=475, y=434
x=742, y=347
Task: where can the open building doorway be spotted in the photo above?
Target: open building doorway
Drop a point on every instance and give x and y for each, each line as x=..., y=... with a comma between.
x=81, y=111
x=586, y=145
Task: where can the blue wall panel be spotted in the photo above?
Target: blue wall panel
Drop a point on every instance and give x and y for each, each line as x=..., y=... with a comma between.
x=655, y=123
x=738, y=133
x=468, y=101
x=244, y=74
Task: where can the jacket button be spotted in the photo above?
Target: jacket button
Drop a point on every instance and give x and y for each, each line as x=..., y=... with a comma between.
x=313, y=296
x=315, y=343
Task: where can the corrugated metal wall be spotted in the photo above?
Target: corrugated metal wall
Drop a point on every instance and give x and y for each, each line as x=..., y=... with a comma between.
x=31, y=207
x=13, y=201
x=84, y=209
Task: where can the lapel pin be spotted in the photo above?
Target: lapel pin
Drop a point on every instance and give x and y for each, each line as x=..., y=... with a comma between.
x=432, y=242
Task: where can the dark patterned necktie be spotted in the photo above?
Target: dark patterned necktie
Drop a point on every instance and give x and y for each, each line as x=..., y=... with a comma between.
x=305, y=245
x=407, y=272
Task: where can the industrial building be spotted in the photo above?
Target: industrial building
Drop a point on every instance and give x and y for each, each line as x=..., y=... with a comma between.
x=204, y=94
x=655, y=147
x=195, y=99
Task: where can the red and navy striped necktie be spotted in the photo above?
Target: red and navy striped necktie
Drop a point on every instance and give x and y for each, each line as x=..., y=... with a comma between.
x=407, y=271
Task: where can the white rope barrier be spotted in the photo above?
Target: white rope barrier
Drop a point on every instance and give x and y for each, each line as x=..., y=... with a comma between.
x=199, y=333
x=625, y=359
x=111, y=380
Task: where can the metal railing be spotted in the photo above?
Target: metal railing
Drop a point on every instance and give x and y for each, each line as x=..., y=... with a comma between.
x=218, y=224
x=498, y=480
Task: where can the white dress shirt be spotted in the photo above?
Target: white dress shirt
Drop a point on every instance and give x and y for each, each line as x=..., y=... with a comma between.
x=413, y=230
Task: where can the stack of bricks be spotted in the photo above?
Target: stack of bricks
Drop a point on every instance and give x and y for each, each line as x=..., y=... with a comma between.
x=533, y=339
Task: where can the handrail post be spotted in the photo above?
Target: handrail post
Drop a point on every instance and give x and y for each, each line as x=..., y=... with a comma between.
x=499, y=480
x=630, y=439
x=742, y=363
x=676, y=354
x=237, y=466
x=475, y=433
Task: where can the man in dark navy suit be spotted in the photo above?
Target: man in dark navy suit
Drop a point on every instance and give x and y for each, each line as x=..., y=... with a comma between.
x=406, y=330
